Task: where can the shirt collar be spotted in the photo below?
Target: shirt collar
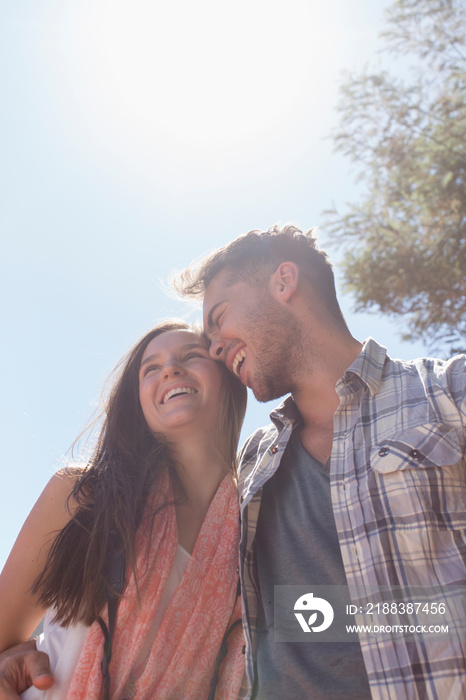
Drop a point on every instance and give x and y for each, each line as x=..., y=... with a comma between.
x=287, y=412
x=368, y=365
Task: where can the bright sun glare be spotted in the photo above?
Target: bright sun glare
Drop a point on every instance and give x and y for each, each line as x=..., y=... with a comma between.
x=204, y=75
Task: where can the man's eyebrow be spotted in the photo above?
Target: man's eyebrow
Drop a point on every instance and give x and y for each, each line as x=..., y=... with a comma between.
x=210, y=315
x=183, y=348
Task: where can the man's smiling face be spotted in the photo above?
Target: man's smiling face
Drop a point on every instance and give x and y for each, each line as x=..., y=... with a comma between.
x=251, y=333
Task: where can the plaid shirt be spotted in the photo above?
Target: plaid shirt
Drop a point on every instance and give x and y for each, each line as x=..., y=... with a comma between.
x=398, y=486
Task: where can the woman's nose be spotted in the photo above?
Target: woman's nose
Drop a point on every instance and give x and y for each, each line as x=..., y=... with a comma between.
x=172, y=369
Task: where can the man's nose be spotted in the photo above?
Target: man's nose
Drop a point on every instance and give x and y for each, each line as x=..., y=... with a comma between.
x=216, y=350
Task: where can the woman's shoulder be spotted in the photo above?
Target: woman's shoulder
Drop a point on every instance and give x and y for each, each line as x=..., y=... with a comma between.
x=56, y=504
x=59, y=489
x=19, y=609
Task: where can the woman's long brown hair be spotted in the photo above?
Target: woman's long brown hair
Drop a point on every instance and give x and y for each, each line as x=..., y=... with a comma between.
x=112, y=490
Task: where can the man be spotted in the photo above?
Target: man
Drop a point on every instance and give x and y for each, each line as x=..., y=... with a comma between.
x=23, y=666
x=359, y=481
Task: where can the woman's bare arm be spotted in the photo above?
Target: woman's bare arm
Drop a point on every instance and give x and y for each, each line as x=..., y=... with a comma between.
x=19, y=612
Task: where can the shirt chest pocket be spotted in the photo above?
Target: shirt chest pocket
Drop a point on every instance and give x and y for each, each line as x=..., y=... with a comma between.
x=419, y=477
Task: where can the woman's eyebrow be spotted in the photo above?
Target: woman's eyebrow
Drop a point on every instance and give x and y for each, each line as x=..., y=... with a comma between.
x=149, y=359
x=183, y=348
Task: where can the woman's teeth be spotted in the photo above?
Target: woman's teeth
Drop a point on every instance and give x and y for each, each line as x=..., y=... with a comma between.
x=179, y=390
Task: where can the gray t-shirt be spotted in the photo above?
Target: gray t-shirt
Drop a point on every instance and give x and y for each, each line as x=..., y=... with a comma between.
x=297, y=544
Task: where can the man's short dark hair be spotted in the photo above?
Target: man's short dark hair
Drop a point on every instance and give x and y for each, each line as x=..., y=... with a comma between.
x=254, y=256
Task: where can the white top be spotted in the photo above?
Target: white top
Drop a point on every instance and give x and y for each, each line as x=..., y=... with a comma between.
x=65, y=644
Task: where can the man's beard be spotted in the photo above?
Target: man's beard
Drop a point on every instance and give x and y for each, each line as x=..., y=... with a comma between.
x=280, y=351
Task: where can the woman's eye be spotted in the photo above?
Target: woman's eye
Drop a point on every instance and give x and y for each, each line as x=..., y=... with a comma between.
x=192, y=355
x=150, y=368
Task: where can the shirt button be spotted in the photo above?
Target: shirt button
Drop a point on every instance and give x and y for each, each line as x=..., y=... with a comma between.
x=274, y=449
x=383, y=452
x=415, y=454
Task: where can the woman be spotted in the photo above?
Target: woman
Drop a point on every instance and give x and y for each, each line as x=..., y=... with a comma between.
x=159, y=494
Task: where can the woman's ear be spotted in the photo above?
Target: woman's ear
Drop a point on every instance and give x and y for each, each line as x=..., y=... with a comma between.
x=284, y=281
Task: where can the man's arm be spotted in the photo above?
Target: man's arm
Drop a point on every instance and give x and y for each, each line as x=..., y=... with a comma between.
x=23, y=666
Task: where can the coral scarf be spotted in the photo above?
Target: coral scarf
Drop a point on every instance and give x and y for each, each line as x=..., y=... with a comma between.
x=182, y=659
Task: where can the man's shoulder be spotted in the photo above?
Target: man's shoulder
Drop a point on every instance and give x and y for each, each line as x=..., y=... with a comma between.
x=439, y=385
x=449, y=373
x=455, y=365
x=375, y=354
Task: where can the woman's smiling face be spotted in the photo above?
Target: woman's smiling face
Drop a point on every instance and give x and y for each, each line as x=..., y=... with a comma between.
x=179, y=384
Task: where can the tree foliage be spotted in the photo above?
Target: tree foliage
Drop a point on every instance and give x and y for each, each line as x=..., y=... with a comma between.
x=405, y=244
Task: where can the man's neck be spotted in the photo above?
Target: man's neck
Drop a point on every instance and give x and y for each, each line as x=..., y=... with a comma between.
x=316, y=397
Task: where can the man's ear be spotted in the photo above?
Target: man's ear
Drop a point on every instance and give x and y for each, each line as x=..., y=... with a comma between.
x=284, y=281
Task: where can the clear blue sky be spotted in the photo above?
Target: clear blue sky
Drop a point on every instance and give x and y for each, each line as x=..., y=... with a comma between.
x=135, y=137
